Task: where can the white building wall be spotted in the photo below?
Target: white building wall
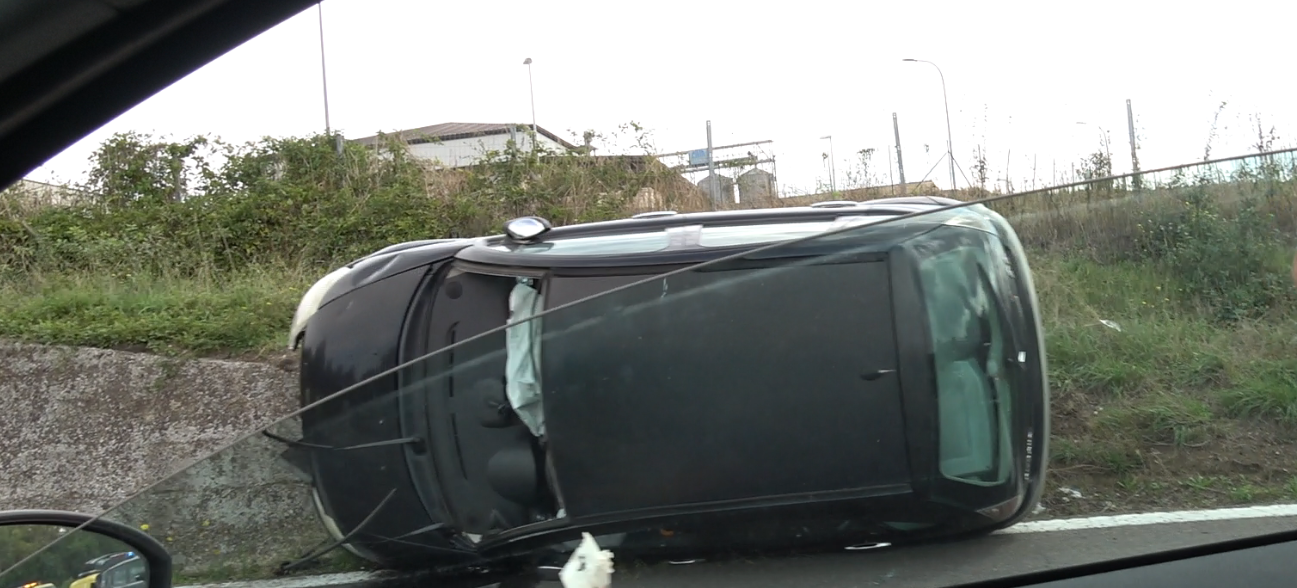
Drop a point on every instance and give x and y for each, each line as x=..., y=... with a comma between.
x=462, y=152
x=33, y=195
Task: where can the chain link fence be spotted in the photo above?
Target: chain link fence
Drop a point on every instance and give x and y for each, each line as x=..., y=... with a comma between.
x=1119, y=216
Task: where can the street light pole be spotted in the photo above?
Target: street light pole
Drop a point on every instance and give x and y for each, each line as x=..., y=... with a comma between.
x=950, y=150
x=833, y=176
x=324, y=79
x=531, y=88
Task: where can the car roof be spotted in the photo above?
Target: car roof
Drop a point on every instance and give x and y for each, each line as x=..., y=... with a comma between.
x=662, y=219
x=68, y=67
x=100, y=562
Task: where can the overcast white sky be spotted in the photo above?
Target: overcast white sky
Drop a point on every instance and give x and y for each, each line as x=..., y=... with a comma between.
x=1020, y=76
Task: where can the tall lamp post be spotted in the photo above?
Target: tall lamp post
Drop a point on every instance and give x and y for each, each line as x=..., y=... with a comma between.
x=531, y=88
x=324, y=78
x=833, y=176
x=950, y=150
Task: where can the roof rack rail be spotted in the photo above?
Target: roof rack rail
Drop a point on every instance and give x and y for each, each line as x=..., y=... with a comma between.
x=655, y=214
x=836, y=204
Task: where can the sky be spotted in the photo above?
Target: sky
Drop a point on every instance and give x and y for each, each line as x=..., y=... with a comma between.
x=1033, y=84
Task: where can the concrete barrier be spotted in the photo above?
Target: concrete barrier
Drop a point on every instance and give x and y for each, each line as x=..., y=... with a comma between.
x=83, y=429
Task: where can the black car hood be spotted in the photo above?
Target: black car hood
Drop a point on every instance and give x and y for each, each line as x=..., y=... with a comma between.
x=393, y=260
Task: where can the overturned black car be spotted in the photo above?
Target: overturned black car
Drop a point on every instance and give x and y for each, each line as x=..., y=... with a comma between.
x=833, y=375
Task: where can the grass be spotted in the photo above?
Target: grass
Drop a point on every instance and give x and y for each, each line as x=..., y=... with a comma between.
x=244, y=313
x=1174, y=410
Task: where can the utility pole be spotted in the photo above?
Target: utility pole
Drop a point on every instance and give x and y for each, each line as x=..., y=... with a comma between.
x=833, y=176
x=531, y=90
x=711, y=169
x=1134, y=159
x=900, y=166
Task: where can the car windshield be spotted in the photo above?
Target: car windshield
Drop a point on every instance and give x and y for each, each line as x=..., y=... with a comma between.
x=963, y=351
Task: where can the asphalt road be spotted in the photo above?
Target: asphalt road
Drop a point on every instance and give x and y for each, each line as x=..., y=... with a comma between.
x=952, y=564
x=1027, y=548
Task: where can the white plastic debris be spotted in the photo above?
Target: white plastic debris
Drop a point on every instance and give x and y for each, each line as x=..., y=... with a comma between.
x=589, y=566
x=1110, y=324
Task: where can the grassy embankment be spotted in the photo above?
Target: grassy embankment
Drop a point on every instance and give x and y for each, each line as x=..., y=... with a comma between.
x=1192, y=403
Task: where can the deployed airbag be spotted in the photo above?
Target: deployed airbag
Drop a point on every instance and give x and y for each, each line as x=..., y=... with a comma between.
x=522, y=353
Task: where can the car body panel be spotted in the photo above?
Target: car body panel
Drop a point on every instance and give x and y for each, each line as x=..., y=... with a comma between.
x=448, y=409
x=392, y=261
x=353, y=484
x=644, y=412
x=652, y=417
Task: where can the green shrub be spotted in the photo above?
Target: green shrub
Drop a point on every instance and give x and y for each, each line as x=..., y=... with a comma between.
x=202, y=207
x=1225, y=262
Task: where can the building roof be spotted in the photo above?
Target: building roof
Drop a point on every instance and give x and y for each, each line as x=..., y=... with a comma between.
x=453, y=131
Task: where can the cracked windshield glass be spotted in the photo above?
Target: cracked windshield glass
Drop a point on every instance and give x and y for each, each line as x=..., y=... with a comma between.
x=456, y=294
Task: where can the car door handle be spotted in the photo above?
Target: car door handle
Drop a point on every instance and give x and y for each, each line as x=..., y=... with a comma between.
x=874, y=375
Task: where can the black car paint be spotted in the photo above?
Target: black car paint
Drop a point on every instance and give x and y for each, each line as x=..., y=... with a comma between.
x=697, y=455
x=454, y=309
x=419, y=481
x=330, y=363
x=377, y=267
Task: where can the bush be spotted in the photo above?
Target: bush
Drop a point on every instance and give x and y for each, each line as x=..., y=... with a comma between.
x=203, y=208
x=1232, y=264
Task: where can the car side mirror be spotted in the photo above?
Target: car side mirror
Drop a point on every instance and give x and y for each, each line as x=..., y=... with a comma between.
x=48, y=548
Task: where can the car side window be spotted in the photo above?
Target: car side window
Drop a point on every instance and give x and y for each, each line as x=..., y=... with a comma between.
x=974, y=394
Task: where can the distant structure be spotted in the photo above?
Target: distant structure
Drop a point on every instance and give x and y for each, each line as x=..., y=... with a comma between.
x=463, y=144
x=757, y=184
x=749, y=167
x=32, y=195
x=725, y=184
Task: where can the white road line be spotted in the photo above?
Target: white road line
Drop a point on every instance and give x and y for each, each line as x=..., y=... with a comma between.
x=1155, y=518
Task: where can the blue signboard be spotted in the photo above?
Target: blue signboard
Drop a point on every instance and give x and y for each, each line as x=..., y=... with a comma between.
x=698, y=157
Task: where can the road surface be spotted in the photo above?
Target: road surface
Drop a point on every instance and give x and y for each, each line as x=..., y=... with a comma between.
x=1029, y=547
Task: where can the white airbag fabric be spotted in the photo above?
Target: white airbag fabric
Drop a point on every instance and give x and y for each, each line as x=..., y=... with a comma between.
x=522, y=356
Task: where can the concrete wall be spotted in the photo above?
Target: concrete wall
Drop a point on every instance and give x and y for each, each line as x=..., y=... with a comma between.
x=84, y=429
